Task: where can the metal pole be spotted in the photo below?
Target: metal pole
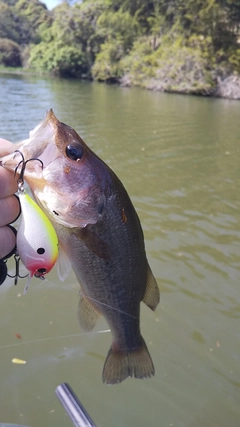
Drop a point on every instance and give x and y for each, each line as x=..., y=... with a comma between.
x=73, y=407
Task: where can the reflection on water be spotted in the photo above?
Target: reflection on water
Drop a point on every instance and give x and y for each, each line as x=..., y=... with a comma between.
x=178, y=158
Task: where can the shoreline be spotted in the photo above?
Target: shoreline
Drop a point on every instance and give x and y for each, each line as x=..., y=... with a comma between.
x=228, y=88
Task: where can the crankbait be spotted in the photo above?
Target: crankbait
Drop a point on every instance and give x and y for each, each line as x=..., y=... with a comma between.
x=37, y=242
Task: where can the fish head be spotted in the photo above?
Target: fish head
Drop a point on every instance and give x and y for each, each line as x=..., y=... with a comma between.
x=68, y=181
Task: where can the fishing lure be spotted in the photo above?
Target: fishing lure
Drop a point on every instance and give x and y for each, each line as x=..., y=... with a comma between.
x=37, y=242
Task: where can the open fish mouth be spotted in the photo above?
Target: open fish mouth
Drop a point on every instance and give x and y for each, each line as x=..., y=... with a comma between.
x=39, y=146
x=38, y=152
x=14, y=163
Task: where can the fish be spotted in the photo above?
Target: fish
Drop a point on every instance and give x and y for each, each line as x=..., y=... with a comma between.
x=100, y=236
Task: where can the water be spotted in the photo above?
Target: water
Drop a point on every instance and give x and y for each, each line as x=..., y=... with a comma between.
x=178, y=157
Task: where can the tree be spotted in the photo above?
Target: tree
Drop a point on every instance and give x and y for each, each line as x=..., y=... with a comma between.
x=9, y=53
x=31, y=14
x=119, y=27
x=9, y=26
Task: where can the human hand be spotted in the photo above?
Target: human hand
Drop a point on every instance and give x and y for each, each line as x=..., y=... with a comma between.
x=9, y=205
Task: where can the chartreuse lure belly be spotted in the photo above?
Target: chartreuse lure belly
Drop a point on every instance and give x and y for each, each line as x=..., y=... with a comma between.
x=37, y=242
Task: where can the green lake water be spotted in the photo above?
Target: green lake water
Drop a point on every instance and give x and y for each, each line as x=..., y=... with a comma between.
x=179, y=158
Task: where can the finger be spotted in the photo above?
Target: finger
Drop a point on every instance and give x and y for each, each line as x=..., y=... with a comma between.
x=8, y=241
x=9, y=210
x=8, y=184
x=6, y=147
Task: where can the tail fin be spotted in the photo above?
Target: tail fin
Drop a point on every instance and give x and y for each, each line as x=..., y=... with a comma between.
x=120, y=365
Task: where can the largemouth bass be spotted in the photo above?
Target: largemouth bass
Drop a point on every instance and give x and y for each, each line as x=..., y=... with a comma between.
x=100, y=233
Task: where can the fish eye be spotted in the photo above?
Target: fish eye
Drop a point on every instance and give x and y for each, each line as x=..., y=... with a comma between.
x=74, y=152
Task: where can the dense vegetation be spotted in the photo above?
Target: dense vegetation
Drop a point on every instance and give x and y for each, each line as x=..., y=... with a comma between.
x=175, y=45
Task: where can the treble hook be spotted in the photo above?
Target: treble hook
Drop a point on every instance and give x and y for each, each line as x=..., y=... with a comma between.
x=24, y=163
x=17, y=274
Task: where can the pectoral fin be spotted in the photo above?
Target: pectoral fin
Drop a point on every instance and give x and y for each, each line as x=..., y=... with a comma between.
x=93, y=242
x=63, y=264
x=152, y=295
x=87, y=314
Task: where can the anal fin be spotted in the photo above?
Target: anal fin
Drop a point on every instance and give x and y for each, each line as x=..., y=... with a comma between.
x=152, y=294
x=87, y=314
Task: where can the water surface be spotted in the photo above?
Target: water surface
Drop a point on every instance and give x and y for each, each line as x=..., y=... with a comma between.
x=178, y=157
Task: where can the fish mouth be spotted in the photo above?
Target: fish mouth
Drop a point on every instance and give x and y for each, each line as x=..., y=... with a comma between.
x=30, y=161
x=35, y=153
x=16, y=161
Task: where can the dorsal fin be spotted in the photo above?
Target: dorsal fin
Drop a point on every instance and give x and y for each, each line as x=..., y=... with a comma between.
x=152, y=294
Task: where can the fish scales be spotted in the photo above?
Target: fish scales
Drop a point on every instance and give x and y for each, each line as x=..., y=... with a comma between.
x=100, y=232
x=111, y=271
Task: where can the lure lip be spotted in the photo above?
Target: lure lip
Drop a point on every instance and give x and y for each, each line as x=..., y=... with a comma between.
x=32, y=265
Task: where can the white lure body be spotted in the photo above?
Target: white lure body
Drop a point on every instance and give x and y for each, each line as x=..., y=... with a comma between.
x=37, y=242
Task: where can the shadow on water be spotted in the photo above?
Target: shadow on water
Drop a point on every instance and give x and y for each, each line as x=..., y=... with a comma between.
x=178, y=158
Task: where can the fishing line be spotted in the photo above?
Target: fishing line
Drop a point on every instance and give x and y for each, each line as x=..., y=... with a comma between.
x=52, y=284
x=109, y=306
x=88, y=297
x=54, y=338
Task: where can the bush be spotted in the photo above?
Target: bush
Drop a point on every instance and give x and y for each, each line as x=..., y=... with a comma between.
x=9, y=53
x=173, y=67
x=62, y=61
x=107, y=63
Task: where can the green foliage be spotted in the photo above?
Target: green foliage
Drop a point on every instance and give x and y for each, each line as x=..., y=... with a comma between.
x=173, y=67
x=234, y=60
x=107, y=66
x=59, y=60
x=118, y=31
x=86, y=30
x=9, y=53
x=76, y=27
x=182, y=45
x=31, y=15
x=119, y=26
x=9, y=26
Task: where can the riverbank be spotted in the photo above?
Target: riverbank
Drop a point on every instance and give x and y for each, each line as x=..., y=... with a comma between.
x=22, y=70
x=191, y=49
x=228, y=87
